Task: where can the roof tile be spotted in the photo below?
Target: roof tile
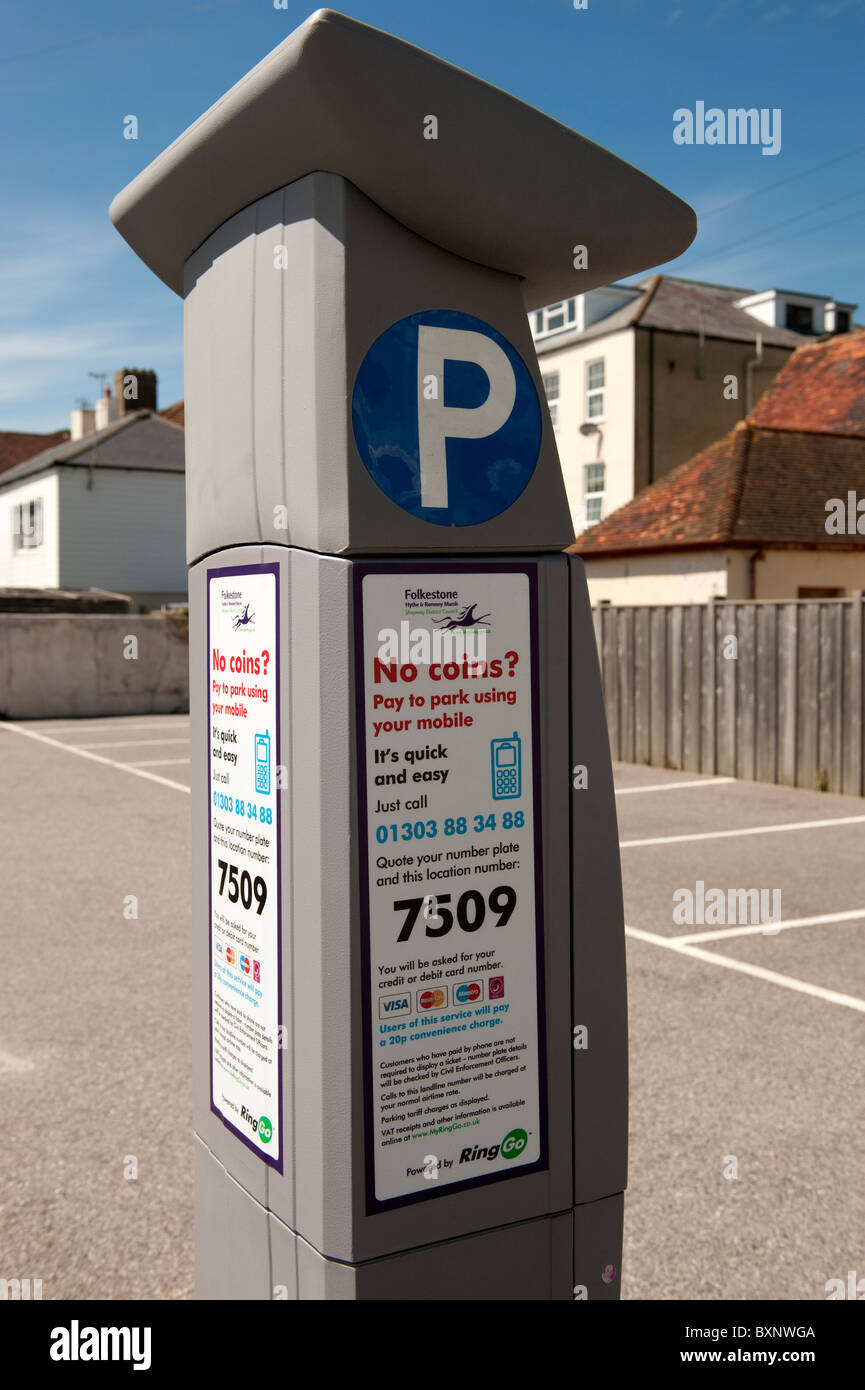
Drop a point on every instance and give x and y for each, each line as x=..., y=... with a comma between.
x=767, y=482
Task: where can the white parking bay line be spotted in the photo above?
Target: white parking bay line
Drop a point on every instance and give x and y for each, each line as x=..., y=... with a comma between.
x=109, y=723
x=830, y=996
x=772, y=928
x=155, y=762
x=94, y=757
x=750, y=830
x=675, y=786
x=127, y=743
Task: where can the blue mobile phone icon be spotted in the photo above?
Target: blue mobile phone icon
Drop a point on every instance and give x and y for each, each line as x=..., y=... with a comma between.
x=507, y=768
x=262, y=764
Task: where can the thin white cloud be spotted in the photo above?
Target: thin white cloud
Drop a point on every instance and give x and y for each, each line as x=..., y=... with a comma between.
x=41, y=270
x=766, y=267
x=62, y=316
x=830, y=8
x=710, y=202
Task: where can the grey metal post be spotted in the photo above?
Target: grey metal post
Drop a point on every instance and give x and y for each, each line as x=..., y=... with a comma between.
x=409, y=1011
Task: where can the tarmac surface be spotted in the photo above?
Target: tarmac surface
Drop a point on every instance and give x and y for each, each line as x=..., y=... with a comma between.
x=746, y=1045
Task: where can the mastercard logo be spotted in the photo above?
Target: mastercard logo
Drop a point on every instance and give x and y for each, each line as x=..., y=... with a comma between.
x=229, y=955
x=432, y=999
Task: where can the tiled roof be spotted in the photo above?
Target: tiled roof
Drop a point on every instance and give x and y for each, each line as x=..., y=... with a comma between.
x=174, y=413
x=678, y=306
x=16, y=447
x=694, y=504
x=766, y=483
x=139, y=440
x=821, y=389
x=681, y=306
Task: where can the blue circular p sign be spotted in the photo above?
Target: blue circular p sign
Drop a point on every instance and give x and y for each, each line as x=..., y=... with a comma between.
x=446, y=418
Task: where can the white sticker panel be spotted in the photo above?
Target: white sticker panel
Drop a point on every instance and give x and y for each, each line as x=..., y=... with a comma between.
x=447, y=786
x=243, y=684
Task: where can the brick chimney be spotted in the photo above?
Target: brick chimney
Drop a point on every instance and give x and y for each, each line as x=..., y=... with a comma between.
x=106, y=410
x=135, y=388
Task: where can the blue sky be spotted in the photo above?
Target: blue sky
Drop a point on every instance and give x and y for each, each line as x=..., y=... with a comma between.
x=74, y=298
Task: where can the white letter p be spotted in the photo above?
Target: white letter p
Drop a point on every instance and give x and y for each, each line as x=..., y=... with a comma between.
x=437, y=422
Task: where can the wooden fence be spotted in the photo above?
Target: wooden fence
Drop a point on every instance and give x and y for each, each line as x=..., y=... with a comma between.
x=783, y=703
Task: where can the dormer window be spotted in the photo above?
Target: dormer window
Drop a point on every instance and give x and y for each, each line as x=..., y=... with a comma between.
x=555, y=317
x=799, y=318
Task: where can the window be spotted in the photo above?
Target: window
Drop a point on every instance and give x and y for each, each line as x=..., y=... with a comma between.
x=842, y=321
x=594, y=477
x=555, y=317
x=799, y=318
x=551, y=390
x=595, y=389
x=27, y=524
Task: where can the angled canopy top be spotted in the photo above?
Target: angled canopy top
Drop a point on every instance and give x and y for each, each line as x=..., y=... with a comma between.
x=502, y=184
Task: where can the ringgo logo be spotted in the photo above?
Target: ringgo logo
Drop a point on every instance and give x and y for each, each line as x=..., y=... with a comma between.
x=511, y=1146
x=261, y=1126
x=514, y=1143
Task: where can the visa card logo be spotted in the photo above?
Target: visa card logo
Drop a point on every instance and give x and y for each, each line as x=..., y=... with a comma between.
x=394, y=1004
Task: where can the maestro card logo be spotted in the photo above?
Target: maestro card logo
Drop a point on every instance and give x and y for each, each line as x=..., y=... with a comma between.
x=446, y=418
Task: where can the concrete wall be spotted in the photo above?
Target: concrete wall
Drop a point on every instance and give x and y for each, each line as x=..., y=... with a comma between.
x=67, y=665
x=687, y=576
x=696, y=576
x=780, y=574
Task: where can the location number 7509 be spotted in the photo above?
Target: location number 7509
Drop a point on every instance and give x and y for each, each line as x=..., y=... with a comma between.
x=243, y=887
x=471, y=910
